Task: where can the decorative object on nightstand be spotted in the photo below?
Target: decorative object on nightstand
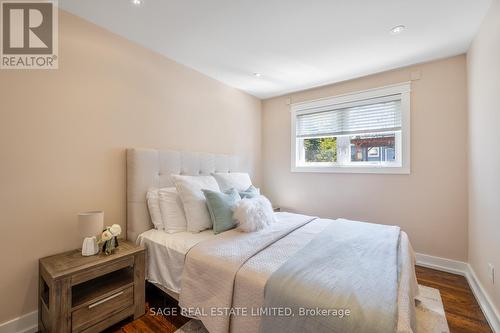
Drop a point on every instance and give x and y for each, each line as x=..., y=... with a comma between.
x=110, y=238
x=89, y=294
x=90, y=225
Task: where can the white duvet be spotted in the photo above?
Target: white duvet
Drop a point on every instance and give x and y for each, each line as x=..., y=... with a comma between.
x=231, y=271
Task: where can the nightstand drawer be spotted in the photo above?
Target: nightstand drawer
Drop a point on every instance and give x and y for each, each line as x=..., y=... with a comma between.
x=101, y=309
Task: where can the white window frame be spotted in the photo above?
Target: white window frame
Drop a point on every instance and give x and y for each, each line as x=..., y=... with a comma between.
x=403, y=89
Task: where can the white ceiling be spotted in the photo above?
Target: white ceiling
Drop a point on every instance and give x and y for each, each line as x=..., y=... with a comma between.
x=294, y=44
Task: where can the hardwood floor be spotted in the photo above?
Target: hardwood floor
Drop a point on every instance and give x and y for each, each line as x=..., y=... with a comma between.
x=462, y=311
x=153, y=321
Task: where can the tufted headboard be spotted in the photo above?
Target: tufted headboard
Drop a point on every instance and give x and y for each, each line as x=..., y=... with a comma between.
x=151, y=168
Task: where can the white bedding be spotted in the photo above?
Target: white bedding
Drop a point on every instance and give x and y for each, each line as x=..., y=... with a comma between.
x=166, y=254
x=252, y=277
x=211, y=267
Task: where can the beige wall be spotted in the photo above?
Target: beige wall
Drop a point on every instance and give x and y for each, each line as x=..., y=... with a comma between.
x=430, y=204
x=483, y=62
x=63, y=134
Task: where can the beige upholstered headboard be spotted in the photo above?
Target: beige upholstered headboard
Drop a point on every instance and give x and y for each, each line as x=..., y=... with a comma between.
x=151, y=168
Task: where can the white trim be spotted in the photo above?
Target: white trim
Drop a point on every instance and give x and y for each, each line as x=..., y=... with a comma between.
x=490, y=311
x=333, y=103
x=402, y=89
x=27, y=323
x=393, y=89
x=462, y=268
x=347, y=169
x=442, y=264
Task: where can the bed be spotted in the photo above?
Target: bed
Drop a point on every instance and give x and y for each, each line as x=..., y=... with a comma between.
x=206, y=271
x=166, y=256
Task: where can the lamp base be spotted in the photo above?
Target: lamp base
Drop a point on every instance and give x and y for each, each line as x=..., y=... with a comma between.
x=90, y=247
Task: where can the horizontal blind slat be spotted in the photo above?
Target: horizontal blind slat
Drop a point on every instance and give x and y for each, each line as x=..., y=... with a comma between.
x=379, y=116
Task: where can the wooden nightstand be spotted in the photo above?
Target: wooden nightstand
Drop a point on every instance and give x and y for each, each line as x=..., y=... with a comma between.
x=89, y=294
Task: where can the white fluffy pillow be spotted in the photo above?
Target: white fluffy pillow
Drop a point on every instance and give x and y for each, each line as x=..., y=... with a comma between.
x=193, y=200
x=172, y=212
x=238, y=180
x=254, y=214
x=154, y=208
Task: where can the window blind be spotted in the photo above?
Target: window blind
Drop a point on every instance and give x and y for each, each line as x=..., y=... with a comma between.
x=371, y=116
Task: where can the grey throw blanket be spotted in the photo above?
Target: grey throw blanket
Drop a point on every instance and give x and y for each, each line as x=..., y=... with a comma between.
x=211, y=267
x=351, y=266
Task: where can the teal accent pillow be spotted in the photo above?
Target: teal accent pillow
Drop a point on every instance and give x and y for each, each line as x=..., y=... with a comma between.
x=249, y=193
x=220, y=206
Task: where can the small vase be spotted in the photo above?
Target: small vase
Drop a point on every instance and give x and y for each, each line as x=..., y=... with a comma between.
x=90, y=246
x=109, y=246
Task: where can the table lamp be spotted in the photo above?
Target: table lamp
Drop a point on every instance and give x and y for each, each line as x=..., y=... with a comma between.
x=90, y=224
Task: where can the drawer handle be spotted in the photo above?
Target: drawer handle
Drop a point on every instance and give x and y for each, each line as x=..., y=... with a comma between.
x=105, y=300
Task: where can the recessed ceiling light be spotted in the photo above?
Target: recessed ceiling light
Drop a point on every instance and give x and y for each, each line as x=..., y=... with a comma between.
x=137, y=3
x=257, y=74
x=398, y=29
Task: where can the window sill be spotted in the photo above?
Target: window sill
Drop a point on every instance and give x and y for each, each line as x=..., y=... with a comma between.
x=351, y=169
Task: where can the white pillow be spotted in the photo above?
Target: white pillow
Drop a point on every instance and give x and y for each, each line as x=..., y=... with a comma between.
x=254, y=214
x=154, y=208
x=238, y=180
x=172, y=212
x=193, y=199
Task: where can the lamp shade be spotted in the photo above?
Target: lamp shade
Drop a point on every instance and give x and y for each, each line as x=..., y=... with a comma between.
x=90, y=223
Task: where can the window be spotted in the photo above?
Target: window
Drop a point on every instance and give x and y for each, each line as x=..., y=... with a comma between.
x=364, y=132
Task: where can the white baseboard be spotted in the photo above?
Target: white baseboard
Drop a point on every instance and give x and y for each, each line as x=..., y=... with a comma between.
x=27, y=323
x=442, y=264
x=490, y=311
x=463, y=268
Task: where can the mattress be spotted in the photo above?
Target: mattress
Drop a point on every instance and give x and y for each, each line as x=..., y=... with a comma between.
x=166, y=254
